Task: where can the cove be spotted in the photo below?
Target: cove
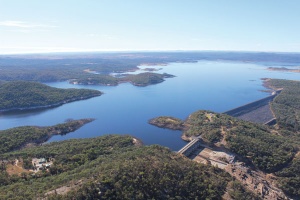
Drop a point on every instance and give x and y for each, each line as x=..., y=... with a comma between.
x=126, y=109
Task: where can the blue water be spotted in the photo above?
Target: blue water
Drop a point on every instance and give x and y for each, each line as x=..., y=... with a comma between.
x=126, y=109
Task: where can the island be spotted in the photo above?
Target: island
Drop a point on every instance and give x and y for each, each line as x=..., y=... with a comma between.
x=142, y=79
x=25, y=95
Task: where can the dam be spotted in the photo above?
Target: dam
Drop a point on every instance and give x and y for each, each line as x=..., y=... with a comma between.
x=258, y=111
x=190, y=147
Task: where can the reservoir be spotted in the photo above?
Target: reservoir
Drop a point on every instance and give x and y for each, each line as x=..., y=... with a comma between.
x=126, y=109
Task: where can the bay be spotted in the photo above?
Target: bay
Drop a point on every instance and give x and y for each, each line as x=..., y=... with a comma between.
x=126, y=109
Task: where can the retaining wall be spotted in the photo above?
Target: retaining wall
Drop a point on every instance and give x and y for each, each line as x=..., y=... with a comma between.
x=251, y=106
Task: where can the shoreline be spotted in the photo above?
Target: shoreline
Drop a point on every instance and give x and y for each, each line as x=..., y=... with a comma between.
x=47, y=106
x=41, y=134
x=271, y=90
x=128, y=79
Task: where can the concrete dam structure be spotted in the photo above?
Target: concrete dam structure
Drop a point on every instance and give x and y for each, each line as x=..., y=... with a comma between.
x=190, y=147
x=257, y=111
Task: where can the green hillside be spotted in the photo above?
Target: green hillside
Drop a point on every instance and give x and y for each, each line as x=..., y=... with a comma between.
x=272, y=149
x=18, y=95
x=142, y=79
x=286, y=105
x=113, y=167
x=15, y=138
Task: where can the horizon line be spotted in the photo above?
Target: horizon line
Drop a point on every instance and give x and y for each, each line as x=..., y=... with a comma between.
x=139, y=51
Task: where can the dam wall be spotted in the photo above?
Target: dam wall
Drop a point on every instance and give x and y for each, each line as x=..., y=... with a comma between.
x=190, y=147
x=257, y=111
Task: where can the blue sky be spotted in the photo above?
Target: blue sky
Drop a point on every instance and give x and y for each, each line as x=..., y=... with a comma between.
x=28, y=26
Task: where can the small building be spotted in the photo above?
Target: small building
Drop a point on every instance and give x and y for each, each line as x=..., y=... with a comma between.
x=42, y=160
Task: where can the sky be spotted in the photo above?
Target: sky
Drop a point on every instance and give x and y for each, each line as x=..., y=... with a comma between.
x=36, y=26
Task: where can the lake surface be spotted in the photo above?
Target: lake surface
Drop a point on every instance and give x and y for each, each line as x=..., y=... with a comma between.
x=126, y=109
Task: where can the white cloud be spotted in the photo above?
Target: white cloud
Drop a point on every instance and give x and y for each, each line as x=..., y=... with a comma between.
x=22, y=24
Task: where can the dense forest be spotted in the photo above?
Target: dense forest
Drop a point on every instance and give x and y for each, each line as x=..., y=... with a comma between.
x=268, y=152
x=113, y=167
x=29, y=95
x=96, y=80
x=268, y=149
x=15, y=138
x=167, y=122
x=286, y=105
x=290, y=177
x=142, y=79
x=147, y=78
x=271, y=149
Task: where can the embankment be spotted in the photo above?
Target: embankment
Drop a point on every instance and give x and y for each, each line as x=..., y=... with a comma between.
x=257, y=111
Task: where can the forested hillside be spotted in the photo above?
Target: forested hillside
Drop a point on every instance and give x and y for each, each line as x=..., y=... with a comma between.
x=147, y=78
x=18, y=95
x=113, y=167
x=269, y=152
x=15, y=138
x=270, y=149
x=286, y=105
x=142, y=79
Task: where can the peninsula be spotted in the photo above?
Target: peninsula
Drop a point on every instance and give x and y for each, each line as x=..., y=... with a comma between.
x=167, y=122
x=20, y=137
x=24, y=95
x=283, y=69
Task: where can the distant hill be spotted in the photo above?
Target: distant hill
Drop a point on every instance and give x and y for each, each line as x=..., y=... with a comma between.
x=63, y=67
x=147, y=78
x=142, y=79
x=20, y=95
